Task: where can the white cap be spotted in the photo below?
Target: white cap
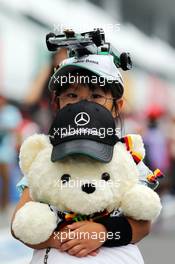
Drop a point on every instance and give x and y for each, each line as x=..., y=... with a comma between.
x=101, y=65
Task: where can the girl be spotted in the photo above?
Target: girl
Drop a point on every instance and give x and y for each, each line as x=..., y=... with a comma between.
x=110, y=95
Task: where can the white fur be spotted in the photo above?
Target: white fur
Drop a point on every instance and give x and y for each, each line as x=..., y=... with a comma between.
x=30, y=149
x=34, y=223
x=44, y=178
x=141, y=203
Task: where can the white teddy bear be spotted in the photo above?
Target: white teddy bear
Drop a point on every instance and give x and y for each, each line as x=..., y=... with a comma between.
x=80, y=184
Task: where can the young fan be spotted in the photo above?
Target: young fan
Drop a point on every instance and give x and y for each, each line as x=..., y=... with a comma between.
x=94, y=78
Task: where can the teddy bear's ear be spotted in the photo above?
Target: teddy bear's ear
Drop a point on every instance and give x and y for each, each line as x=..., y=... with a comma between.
x=30, y=149
x=134, y=144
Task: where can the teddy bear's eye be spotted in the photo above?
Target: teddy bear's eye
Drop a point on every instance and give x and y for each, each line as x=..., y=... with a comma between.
x=65, y=178
x=105, y=176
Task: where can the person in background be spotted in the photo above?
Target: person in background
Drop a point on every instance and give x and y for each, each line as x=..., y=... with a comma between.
x=171, y=144
x=10, y=118
x=37, y=99
x=155, y=140
x=26, y=127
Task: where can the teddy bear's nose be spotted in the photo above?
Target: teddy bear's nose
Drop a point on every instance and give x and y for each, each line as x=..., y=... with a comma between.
x=88, y=188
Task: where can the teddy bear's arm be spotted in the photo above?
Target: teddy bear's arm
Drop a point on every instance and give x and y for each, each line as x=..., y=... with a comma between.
x=34, y=223
x=141, y=203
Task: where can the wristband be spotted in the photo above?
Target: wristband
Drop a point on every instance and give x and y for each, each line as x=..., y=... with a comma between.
x=119, y=231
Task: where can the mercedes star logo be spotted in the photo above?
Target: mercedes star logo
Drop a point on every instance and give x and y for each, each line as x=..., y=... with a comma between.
x=82, y=119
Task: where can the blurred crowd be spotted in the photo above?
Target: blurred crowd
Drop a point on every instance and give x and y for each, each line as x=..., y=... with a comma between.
x=34, y=115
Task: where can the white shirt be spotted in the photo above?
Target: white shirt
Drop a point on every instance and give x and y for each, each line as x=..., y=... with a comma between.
x=129, y=254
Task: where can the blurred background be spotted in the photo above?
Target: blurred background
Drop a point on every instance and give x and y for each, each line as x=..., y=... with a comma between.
x=145, y=29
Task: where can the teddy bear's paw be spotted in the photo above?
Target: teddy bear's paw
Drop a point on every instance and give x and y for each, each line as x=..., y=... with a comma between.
x=34, y=223
x=141, y=203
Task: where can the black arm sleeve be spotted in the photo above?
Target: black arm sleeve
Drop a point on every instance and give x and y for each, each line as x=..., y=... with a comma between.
x=119, y=229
